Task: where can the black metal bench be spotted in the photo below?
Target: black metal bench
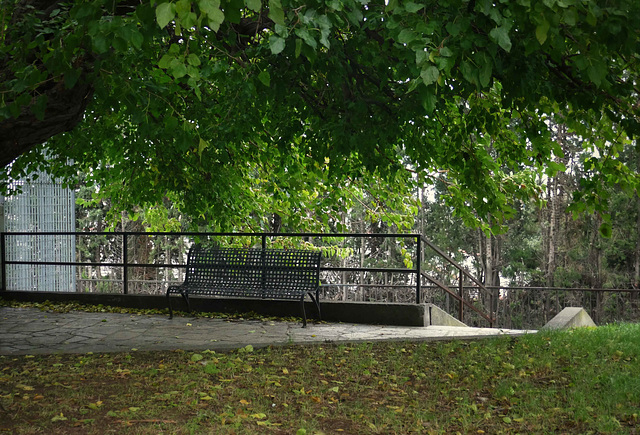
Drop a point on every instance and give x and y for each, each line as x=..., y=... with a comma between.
x=251, y=273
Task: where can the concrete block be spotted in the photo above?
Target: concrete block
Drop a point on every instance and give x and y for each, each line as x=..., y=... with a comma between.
x=570, y=317
x=435, y=316
x=380, y=313
x=372, y=313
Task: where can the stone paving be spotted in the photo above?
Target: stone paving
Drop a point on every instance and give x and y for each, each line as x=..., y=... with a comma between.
x=29, y=331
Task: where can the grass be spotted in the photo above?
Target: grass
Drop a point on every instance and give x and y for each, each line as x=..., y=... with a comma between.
x=578, y=381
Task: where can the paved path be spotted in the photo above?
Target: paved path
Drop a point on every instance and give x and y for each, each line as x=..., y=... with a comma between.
x=28, y=331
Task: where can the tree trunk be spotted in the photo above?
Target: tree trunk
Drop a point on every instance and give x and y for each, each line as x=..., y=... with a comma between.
x=636, y=264
x=490, y=259
x=552, y=235
x=65, y=107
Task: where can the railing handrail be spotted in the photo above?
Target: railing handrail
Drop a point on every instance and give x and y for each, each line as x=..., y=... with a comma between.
x=419, y=239
x=453, y=262
x=198, y=233
x=461, y=299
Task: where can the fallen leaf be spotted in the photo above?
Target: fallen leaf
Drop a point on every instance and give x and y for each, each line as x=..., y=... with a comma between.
x=24, y=387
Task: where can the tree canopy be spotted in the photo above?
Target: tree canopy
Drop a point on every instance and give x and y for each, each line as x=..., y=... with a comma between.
x=209, y=101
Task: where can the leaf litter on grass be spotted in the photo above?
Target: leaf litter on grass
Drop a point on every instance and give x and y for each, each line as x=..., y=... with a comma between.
x=573, y=381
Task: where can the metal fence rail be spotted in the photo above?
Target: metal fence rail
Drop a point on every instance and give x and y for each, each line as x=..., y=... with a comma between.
x=125, y=261
x=356, y=267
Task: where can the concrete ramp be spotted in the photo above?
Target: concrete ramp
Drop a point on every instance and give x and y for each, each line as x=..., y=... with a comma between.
x=570, y=317
x=435, y=316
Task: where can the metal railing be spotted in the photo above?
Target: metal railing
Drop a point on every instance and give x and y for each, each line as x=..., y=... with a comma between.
x=120, y=251
x=460, y=296
x=533, y=307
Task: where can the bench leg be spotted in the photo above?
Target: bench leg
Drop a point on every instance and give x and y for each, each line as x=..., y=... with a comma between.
x=170, y=307
x=316, y=300
x=185, y=296
x=304, y=313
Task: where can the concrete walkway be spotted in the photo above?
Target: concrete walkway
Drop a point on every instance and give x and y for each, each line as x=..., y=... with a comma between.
x=29, y=331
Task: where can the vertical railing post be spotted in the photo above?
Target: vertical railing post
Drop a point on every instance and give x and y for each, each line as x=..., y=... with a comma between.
x=418, y=269
x=461, y=294
x=263, y=265
x=492, y=313
x=125, y=261
x=3, y=253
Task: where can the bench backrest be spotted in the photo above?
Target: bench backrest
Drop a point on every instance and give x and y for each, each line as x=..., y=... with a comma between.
x=270, y=273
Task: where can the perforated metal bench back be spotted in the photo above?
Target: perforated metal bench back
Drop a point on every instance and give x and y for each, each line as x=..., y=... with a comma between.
x=239, y=272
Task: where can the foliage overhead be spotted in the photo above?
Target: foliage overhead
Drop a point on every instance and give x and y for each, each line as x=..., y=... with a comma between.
x=209, y=100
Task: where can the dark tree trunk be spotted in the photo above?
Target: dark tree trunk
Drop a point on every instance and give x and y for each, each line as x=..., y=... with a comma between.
x=64, y=111
x=65, y=107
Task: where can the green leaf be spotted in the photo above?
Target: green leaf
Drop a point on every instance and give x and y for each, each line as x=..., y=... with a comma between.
x=542, y=31
x=196, y=357
x=355, y=16
x=597, y=72
x=429, y=101
x=336, y=5
x=165, y=13
x=40, y=107
x=306, y=37
x=500, y=35
x=71, y=77
x=100, y=43
x=570, y=17
x=275, y=12
x=211, y=8
x=276, y=44
x=430, y=75
x=485, y=73
x=216, y=19
x=254, y=5
x=298, y=47
x=265, y=78
x=202, y=145
x=179, y=70
x=406, y=36
x=165, y=61
x=136, y=39
x=412, y=7
x=193, y=59
x=120, y=44
x=446, y=52
x=453, y=28
x=469, y=72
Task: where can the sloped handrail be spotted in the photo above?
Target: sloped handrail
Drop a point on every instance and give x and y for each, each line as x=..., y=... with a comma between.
x=463, y=272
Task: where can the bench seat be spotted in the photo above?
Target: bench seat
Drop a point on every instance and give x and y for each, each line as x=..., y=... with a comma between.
x=251, y=273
